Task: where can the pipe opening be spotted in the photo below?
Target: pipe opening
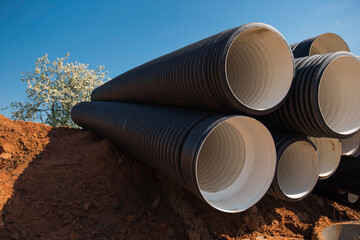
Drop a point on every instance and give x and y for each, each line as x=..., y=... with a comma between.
x=328, y=43
x=339, y=95
x=329, y=150
x=236, y=164
x=353, y=198
x=350, y=145
x=298, y=170
x=259, y=68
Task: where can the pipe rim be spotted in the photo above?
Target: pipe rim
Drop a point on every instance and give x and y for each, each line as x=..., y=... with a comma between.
x=329, y=150
x=350, y=146
x=328, y=43
x=287, y=177
x=334, y=72
x=273, y=98
x=236, y=195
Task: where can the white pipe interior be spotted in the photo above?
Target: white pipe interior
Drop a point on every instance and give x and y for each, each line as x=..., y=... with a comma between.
x=350, y=145
x=298, y=170
x=259, y=68
x=236, y=164
x=339, y=95
x=347, y=230
x=329, y=150
x=353, y=198
x=328, y=43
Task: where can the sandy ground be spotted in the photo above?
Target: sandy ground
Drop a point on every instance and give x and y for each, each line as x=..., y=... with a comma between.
x=61, y=183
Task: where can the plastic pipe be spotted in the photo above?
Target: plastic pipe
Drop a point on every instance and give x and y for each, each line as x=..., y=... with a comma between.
x=350, y=145
x=349, y=166
x=297, y=168
x=345, y=182
x=324, y=99
x=336, y=194
x=322, y=44
x=329, y=150
x=214, y=156
x=247, y=69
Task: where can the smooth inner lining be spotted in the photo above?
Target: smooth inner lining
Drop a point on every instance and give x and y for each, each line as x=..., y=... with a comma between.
x=328, y=43
x=236, y=164
x=259, y=68
x=339, y=95
x=298, y=169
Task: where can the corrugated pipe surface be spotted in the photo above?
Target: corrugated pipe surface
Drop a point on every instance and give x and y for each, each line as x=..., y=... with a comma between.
x=351, y=145
x=324, y=99
x=322, y=44
x=246, y=69
x=297, y=168
x=349, y=166
x=329, y=150
x=345, y=182
x=336, y=195
x=228, y=161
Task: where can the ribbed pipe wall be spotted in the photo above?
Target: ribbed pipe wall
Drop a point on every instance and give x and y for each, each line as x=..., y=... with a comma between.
x=322, y=44
x=323, y=101
x=349, y=166
x=297, y=169
x=214, y=156
x=345, y=182
x=247, y=69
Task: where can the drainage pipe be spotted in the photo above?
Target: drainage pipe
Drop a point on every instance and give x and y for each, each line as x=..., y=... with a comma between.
x=336, y=194
x=323, y=101
x=246, y=69
x=329, y=150
x=349, y=166
x=324, y=43
x=345, y=182
x=297, y=168
x=350, y=145
x=214, y=156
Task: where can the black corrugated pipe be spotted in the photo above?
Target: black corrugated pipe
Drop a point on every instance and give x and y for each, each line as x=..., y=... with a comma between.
x=349, y=166
x=246, y=69
x=336, y=194
x=345, y=182
x=350, y=145
x=297, y=169
x=329, y=150
x=228, y=161
x=322, y=44
x=324, y=99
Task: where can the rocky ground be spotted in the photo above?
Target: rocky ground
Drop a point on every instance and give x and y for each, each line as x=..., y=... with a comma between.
x=62, y=183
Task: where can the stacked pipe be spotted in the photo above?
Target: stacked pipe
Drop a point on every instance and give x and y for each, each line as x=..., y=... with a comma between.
x=198, y=114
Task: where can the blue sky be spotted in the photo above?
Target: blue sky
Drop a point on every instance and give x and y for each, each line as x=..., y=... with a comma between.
x=124, y=34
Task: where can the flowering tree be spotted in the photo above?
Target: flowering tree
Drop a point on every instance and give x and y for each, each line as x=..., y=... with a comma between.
x=54, y=88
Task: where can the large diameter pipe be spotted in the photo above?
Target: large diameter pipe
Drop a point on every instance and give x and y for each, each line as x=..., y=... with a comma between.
x=322, y=44
x=349, y=166
x=216, y=157
x=323, y=101
x=329, y=150
x=336, y=195
x=350, y=145
x=247, y=69
x=297, y=168
x=345, y=182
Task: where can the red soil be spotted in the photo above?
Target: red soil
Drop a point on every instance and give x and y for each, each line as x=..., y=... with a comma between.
x=62, y=183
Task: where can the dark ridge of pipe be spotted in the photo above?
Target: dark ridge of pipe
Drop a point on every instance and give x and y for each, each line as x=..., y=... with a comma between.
x=301, y=175
x=348, y=183
x=202, y=151
x=322, y=44
x=246, y=69
x=349, y=166
x=308, y=111
x=335, y=194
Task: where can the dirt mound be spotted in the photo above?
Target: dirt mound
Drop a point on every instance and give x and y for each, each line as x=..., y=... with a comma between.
x=62, y=183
